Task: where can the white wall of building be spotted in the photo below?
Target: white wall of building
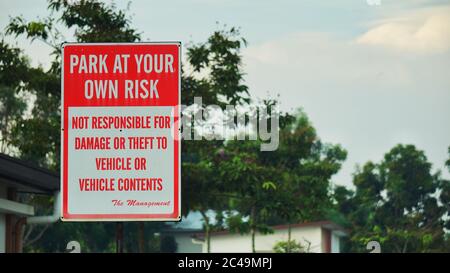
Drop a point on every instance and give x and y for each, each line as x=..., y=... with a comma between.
x=264, y=243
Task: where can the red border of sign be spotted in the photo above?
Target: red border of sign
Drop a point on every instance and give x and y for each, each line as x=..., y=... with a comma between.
x=176, y=214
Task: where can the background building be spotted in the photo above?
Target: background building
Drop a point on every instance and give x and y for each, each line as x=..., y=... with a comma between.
x=19, y=177
x=317, y=237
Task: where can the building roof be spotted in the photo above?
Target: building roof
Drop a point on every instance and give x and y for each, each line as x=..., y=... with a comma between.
x=27, y=177
x=326, y=224
x=330, y=225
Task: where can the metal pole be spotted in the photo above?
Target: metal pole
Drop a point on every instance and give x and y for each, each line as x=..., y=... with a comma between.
x=119, y=237
x=141, y=237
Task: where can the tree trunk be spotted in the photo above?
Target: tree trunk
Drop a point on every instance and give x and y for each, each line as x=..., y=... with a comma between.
x=405, y=246
x=253, y=227
x=253, y=241
x=207, y=231
x=289, y=238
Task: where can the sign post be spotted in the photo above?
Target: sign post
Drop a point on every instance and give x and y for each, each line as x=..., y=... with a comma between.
x=120, y=132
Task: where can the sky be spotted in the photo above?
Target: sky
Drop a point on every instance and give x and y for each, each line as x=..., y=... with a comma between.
x=369, y=73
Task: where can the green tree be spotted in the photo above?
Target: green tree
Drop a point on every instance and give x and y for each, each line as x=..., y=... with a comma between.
x=236, y=177
x=13, y=67
x=399, y=203
x=37, y=136
x=306, y=166
x=445, y=199
x=203, y=193
x=216, y=76
x=250, y=187
x=288, y=247
x=448, y=161
x=220, y=60
x=291, y=183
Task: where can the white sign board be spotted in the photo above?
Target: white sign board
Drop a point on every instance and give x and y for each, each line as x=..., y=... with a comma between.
x=120, y=132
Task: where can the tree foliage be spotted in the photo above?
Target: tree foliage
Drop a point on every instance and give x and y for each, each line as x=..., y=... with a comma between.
x=398, y=202
x=36, y=137
x=289, y=247
x=13, y=67
x=290, y=184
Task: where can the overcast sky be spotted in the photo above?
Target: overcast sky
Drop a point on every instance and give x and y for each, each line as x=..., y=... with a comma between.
x=368, y=76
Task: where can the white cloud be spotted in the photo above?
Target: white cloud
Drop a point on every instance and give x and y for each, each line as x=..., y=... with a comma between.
x=423, y=31
x=367, y=98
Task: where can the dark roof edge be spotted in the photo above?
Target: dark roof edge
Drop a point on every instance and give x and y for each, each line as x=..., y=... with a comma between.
x=28, y=175
x=28, y=164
